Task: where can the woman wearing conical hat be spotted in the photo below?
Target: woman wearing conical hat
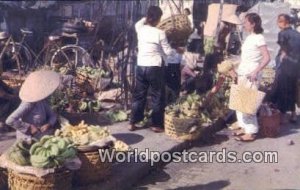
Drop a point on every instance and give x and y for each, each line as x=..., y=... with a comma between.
x=34, y=118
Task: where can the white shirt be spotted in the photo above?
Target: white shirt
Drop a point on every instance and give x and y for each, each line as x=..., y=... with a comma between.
x=195, y=35
x=152, y=44
x=190, y=59
x=174, y=58
x=251, y=55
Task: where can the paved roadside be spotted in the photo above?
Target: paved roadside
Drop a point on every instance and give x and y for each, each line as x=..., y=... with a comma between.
x=235, y=176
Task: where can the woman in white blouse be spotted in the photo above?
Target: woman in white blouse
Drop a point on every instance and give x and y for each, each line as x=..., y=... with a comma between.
x=255, y=56
x=152, y=46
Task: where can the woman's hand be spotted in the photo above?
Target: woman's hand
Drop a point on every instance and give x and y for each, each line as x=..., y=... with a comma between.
x=282, y=55
x=233, y=74
x=45, y=127
x=33, y=130
x=252, y=76
x=180, y=50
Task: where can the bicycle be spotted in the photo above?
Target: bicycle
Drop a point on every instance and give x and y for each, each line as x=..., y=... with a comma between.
x=56, y=54
x=15, y=57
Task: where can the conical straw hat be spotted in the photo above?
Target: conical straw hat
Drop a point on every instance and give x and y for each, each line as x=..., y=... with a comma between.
x=233, y=19
x=39, y=85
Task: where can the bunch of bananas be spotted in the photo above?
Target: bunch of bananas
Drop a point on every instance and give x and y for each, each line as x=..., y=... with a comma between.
x=19, y=153
x=121, y=146
x=225, y=66
x=198, y=106
x=188, y=106
x=51, y=152
x=82, y=134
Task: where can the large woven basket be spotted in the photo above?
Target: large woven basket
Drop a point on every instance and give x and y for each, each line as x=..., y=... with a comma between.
x=92, y=168
x=270, y=125
x=60, y=180
x=177, y=28
x=245, y=100
x=178, y=128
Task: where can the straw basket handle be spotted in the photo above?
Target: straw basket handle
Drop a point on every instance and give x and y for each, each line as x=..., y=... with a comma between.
x=172, y=11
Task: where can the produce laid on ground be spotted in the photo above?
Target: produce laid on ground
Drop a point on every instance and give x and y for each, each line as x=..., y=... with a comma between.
x=117, y=115
x=49, y=152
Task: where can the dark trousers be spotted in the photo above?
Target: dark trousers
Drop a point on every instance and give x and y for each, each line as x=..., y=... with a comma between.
x=196, y=46
x=151, y=78
x=284, y=88
x=173, y=77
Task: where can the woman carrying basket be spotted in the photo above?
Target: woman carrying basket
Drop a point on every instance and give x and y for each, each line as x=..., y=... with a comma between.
x=255, y=56
x=152, y=46
x=34, y=117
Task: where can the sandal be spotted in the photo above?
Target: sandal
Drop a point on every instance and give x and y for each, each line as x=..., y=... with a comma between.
x=132, y=127
x=246, y=138
x=157, y=129
x=239, y=132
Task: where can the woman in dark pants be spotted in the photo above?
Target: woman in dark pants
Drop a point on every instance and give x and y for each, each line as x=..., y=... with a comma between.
x=288, y=65
x=152, y=46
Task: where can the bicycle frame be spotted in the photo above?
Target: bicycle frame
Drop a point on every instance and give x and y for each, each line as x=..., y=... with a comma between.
x=9, y=41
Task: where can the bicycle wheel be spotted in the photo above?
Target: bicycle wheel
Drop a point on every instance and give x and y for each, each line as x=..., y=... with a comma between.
x=71, y=56
x=17, y=58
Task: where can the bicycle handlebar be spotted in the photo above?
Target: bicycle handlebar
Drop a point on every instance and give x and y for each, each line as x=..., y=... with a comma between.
x=25, y=31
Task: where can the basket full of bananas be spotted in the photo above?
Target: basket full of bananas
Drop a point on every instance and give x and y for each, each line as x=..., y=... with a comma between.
x=183, y=119
x=88, y=140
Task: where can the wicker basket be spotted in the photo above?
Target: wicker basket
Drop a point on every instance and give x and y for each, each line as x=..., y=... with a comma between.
x=178, y=128
x=60, y=180
x=189, y=112
x=177, y=28
x=268, y=75
x=92, y=168
x=13, y=83
x=270, y=125
x=245, y=100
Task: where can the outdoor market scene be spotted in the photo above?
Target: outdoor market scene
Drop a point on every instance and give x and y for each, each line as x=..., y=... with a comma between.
x=149, y=94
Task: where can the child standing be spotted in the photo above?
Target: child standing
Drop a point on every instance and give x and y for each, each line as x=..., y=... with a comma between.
x=172, y=71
